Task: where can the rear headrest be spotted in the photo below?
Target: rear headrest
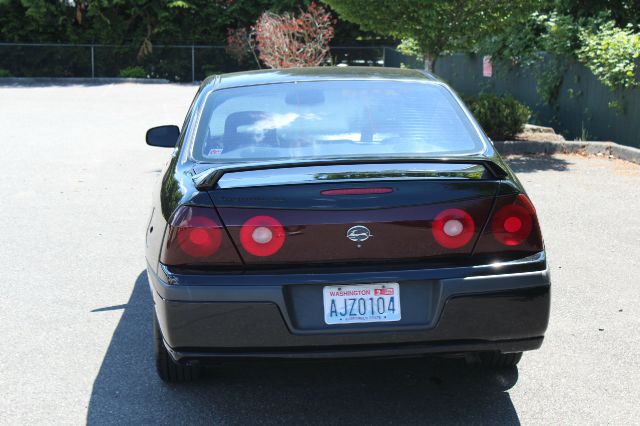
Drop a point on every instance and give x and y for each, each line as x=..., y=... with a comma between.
x=241, y=118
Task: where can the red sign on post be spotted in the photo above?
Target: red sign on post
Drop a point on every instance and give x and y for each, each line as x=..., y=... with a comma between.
x=487, y=68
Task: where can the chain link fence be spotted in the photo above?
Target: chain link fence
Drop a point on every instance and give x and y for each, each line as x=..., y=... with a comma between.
x=583, y=109
x=180, y=63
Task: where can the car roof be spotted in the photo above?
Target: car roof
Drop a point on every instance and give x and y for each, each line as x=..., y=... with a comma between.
x=271, y=76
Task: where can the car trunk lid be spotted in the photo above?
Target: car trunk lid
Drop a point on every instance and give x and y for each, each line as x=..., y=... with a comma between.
x=354, y=213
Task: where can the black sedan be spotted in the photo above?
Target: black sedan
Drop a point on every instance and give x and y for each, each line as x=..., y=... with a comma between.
x=339, y=212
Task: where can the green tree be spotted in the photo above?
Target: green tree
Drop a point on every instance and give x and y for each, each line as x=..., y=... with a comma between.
x=603, y=35
x=612, y=54
x=434, y=26
x=623, y=12
x=141, y=22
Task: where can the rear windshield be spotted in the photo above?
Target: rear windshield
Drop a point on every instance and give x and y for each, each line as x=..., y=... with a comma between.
x=332, y=119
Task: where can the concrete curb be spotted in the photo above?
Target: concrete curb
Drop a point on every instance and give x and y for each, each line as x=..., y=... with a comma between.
x=72, y=81
x=612, y=149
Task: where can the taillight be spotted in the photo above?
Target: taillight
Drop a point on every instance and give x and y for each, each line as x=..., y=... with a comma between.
x=262, y=236
x=199, y=236
x=513, y=228
x=512, y=224
x=453, y=228
x=195, y=237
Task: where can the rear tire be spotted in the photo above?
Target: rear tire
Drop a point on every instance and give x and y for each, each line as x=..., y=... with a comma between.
x=169, y=370
x=499, y=359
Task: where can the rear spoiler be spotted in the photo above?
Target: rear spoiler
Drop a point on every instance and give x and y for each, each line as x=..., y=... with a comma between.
x=209, y=178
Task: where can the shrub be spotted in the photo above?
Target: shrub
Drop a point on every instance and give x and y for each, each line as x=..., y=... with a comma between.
x=238, y=44
x=612, y=54
x=286, y=41
x=211, y=70
x=4, y=73
x=133, y=72
x=500, y=117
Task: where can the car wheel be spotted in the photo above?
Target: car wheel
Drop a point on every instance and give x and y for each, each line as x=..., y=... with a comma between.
x=169, y=370
x=499, y=359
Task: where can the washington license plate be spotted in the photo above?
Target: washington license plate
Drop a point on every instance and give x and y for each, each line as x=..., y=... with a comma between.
x=349, y=304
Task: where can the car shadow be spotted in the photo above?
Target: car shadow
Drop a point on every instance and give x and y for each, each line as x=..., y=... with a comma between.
x=389, y=391
x=537, y=163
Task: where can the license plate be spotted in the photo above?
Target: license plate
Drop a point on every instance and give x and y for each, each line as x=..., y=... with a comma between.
x=349, y=304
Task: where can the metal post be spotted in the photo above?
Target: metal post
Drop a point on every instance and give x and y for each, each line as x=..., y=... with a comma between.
x=93, y=63
x=193, y=64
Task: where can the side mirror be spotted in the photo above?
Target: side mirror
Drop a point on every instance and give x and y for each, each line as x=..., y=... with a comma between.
x=163, y=136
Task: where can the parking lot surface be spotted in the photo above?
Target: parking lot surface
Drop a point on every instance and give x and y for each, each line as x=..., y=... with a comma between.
x=76, y=308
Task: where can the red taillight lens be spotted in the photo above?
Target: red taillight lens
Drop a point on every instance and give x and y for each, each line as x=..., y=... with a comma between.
x=453, y=228
x=512, y=224
x=199, y=236
x=196, y=237
x=262, y=236
x=512, y=229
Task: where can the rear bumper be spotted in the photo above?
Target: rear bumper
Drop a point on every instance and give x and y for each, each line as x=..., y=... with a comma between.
x=496, y=307
x=359, y=351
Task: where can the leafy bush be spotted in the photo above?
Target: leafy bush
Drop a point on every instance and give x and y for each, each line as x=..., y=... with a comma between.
x=547, y=42
x=211, y=70
x=612, y=54
x=286, y=41
x=238, y=44
x=133, y=72
x=4, y=73
x=541, y=42
x=500, y=117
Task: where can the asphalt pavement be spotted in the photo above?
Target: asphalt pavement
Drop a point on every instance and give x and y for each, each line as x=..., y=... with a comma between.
x=75, y=307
